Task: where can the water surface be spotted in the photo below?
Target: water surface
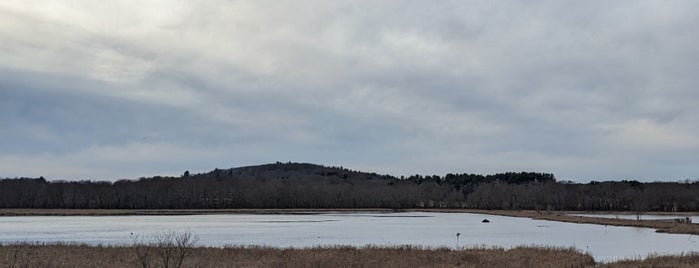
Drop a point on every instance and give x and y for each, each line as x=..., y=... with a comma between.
x=357, y=229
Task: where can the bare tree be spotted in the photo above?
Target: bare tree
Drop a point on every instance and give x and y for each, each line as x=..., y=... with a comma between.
x=169, y=247
x=184, y=243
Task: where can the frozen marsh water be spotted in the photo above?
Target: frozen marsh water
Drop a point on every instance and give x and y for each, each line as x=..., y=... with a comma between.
x=357, y=229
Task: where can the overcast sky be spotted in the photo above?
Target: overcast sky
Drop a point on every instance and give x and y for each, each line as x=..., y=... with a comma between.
x=587, y=90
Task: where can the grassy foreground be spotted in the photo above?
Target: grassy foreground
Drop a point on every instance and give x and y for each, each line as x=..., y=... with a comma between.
x=406, y=256
x=65, y=255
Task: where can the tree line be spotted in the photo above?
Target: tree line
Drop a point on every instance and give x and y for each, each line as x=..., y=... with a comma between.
x=301, y=185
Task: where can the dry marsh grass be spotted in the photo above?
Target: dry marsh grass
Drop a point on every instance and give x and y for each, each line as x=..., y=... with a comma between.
x=66, y=255
x=117, y=212
x=73, y=255
x=679, y=261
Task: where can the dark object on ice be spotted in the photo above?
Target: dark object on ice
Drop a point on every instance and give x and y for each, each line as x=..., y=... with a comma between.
x=485, y=221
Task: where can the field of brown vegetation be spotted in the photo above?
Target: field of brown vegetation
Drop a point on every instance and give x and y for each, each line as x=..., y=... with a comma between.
x=66, y=255
x=60, y=255
x=125, y=212
x=682, y=261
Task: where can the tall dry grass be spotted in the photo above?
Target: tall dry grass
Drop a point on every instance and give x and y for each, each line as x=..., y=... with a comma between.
x=70, y=255
x=679, y=261
x=58, y=255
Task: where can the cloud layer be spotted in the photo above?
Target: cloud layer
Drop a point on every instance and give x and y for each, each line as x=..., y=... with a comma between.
x=586, y=90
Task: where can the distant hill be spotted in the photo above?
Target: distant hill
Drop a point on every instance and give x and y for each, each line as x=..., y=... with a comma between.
x=304, y=185
x=290, y=170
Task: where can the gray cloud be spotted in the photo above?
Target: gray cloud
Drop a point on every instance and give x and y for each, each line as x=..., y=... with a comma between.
x=587, y=90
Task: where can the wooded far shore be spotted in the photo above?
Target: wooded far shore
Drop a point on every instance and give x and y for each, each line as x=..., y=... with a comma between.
x=309, y=186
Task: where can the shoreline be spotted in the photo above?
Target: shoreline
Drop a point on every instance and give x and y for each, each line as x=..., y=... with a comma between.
x=662, y=226
x=175, y=212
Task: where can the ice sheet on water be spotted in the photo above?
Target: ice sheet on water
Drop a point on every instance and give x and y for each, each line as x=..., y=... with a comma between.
x=297, y=230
